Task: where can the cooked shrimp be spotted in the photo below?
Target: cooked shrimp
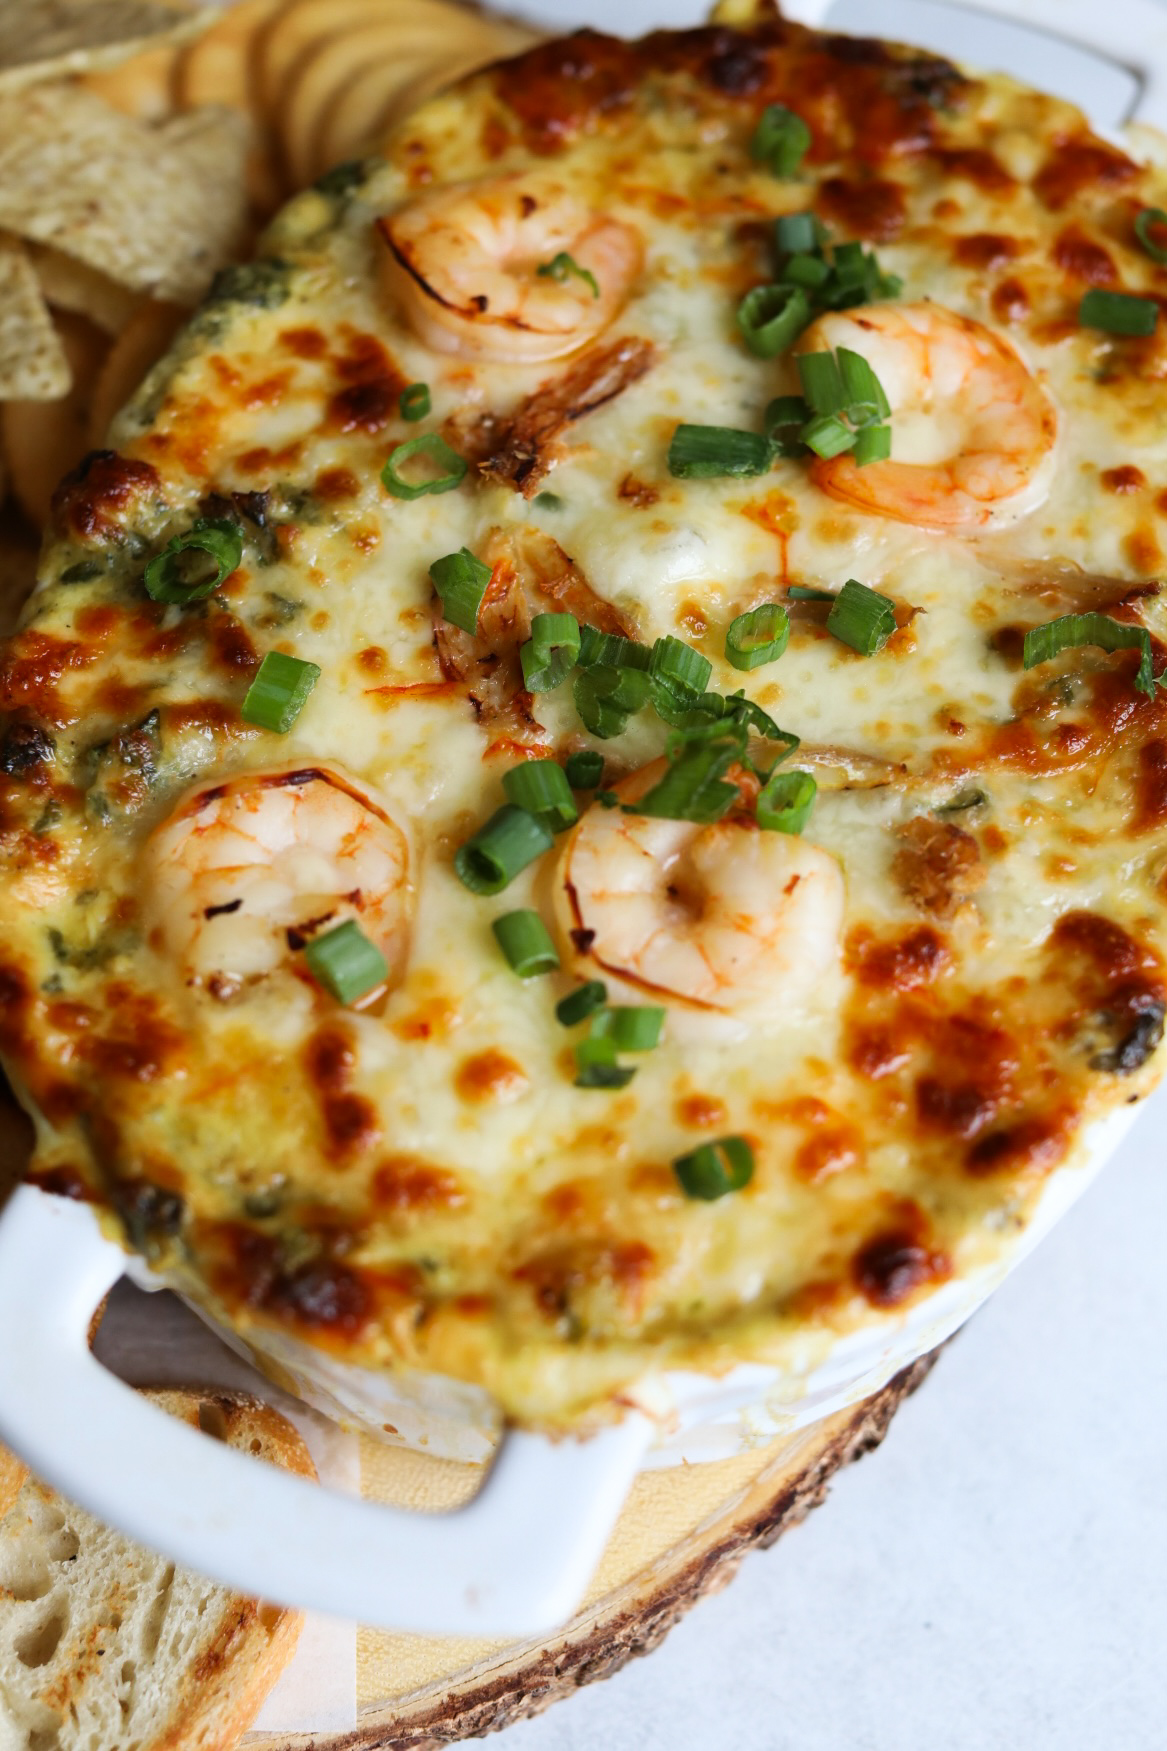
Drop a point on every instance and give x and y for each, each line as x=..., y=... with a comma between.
x=724, y=919
x=465, y=263
x=971, y=428
x=246, y=871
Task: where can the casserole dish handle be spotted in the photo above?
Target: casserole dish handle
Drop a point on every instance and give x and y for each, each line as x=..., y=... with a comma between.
x=513, y=1561
x=1132, y=33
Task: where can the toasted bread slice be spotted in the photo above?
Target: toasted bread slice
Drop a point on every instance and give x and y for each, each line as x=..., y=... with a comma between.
x=104, y=1643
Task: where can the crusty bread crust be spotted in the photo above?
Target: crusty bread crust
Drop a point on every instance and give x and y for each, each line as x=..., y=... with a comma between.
x=104, y=1642
x=12, y=1476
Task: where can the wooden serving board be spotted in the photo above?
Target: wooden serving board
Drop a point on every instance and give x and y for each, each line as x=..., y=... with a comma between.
x=682, y=1535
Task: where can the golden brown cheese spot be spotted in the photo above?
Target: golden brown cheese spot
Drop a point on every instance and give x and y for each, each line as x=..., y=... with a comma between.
x=94, y=495
x=974, y=1064
x=1081, y=165
x=874, y=208
x=490, y=1076
x=1081, y=258
x=561, y=1274
x=976, y=165
x=938, y=866
x=1151, y=810
x=334, y=485
x=1010, y=301
x=1143, y=551
x=1126, y=479
x=64, y=1182
x=835, y=1149
x=404, y=1184
x=34, y=665
x=1117, y=995
x=901, y=962
x=703, y=1112
x=371, y=387
x=231, y=646
x=1031, y=1145
x=635, y=492
x=985, y=250
x=305, y=343
x=898, y=1262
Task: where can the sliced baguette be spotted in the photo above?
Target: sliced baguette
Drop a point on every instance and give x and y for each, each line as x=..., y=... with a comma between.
x=103, y=1644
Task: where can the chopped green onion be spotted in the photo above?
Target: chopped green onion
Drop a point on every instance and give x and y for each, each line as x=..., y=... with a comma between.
x=822, y=382
x=630, y=1027
x=522, y=936
x=864, y=391
x=827, y=435
x=781, y=139
x=597, y=1066
x=606, y=697
x=708, y=452
x=607, y=799
x=550, y=653
x=693, y=787
x=279, y=692
x=872, y=444
x=1143, y=223
x=1118, y=312
x=862, y=618
x=506, y=844
x=584, y=770
x=541, y=787
x=772, y=317
x=1071, y=630
x=461, y=580
x=785, y=801
x=798, y=233
x=168, y=577
x=757, y=637
x=562, y=267
x=739, y=709
x=808, y=271
x=804, y=593
x=346, y=963
x=714, y=1169
x=679, y=667
x=581, y=1002
x=415, y=402
x=611, y=649
x=548, y=501
x=436, y=449
x=784, y=411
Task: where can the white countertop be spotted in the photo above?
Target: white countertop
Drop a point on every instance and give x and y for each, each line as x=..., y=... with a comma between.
x=994, y=1578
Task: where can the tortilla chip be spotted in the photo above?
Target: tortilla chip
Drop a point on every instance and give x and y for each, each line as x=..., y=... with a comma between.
x=44, y=439
x=156, y=209
x=33, y=365
x=69, y=284
x=48, y=39
x=139, y=87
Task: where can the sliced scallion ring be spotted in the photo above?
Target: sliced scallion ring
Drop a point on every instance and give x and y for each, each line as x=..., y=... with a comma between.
x=828, y=435
x=758, y=636
x=807, y=271
x=461, y=580
x=772, y=317
x=865, y=395
x=551, y=652
x=611, y=649
x=693, y=787
x=1118, y=312
x=781, y=139
x=822, y=382
x=629, y=1027
x=584, y=770
x=1151, y=216
x=563, y=267
x=679, y=667
x=579, y=1004
x=414, y=402
x=862, y=618
x=872, y=444
x=524, y=940
x=714, y=1169
x=710, y=452
x=596, y=1066
x=1070, y=631
x=346, y=963
x=541, y=787
x=492, y=858
x=606, y=697
x=785, y=801
x=170, y=577
x=279, y=692
x=798, y=233
x=435, y=449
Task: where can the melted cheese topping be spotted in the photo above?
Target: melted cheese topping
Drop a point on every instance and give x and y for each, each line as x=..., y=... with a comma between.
x=422, y=1184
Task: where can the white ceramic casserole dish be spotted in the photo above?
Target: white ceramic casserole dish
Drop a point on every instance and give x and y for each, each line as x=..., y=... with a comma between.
x=517, y=1559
